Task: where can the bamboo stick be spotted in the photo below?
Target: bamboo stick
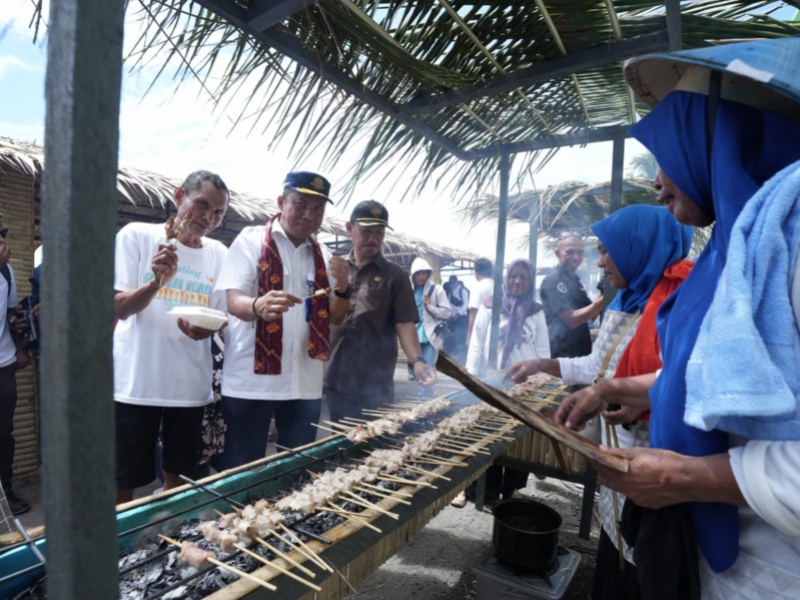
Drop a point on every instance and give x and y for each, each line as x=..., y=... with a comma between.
x=334, y=424
x=305, y=552
x=354, y=517
x=280, y=569
x=312, y=555
x=285, y=556
x=394, y=492
x=328, y=429
x=424, y=472
x=381, y=494
x=406, y=481
x=355, y=499
x=222, y=565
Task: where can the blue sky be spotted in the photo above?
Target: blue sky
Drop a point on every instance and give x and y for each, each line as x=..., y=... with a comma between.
x=173, y=130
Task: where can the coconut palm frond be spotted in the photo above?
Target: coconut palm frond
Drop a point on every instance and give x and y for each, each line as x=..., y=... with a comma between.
x=403, y=52
x=643, y=166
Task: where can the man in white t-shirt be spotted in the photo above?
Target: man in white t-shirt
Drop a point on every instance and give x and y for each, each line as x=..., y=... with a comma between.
x=163, y=365
x=12, y=358
x=279, y=282
x=484, y=289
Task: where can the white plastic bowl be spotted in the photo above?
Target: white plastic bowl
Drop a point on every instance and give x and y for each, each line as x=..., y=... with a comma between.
x=199, y=316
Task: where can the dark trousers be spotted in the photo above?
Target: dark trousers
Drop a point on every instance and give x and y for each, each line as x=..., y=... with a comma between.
x=501, y=482
x=609, y=582
x=8, y=404
x=248, y=422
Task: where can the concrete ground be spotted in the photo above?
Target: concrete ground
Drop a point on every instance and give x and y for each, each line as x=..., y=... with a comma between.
x=436, y=564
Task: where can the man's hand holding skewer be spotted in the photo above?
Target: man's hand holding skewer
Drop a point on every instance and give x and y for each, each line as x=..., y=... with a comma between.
x=272, y=305
x=340, y=271
x=165, y=264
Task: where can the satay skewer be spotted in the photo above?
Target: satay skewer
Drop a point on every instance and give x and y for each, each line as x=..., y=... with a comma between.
x=313, y=555
x=387, y=477
x=304, y=551
x=227, y=567
x=378, y=413
x=272, y=565
x=394, y=492
x=320, y=292
x=444, y=461
x=356, y=499
x=424, y=472
x=285, y=556
x=318, y=426
x=354, y=517
x=337, y=426
x=381, y=494
x=443, y=446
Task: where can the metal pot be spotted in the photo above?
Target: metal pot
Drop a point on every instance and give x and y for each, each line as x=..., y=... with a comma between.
x=525, y=533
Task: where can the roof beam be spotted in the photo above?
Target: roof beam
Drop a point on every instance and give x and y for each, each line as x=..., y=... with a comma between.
x=264, y=14
x=238, y=17
x=601, y=134
x=674, y=25
x=545, y=71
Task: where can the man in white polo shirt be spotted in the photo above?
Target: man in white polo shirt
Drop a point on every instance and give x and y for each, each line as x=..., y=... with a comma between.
x=279, y=333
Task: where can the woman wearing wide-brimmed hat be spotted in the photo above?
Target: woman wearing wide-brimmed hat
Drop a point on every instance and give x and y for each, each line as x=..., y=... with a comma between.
x=723, y=472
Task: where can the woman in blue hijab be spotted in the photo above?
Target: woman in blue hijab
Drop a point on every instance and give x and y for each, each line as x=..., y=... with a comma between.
x=642, y=252
x=727, y=128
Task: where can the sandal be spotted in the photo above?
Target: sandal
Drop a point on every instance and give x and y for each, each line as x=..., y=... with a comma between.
x=459, y=501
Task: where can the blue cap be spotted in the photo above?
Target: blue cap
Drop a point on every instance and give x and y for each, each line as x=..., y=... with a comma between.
x=306, y=182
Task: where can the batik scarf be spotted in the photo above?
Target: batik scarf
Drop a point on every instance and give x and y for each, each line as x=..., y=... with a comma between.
x=269, y=334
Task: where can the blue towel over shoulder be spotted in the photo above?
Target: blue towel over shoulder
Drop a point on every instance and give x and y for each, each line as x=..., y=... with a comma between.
x=743, y=376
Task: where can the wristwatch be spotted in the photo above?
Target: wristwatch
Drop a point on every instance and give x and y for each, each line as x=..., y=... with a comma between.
x=414, y=361
x=345, y=295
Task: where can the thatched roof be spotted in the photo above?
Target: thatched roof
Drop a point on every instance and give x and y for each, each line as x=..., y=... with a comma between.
x=146, y=196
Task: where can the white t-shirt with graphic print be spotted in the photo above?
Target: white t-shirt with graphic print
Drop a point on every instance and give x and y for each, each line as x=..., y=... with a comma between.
x=155, y=363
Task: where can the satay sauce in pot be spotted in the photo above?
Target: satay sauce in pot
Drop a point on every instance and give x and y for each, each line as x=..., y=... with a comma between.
x=525, y=533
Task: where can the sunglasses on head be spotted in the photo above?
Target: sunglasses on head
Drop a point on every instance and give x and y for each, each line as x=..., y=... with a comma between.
x=567, y=234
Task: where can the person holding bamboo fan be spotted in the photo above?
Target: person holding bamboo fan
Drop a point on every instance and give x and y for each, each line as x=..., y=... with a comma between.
x=721, y=476
x=163, y=370
x=642, y=251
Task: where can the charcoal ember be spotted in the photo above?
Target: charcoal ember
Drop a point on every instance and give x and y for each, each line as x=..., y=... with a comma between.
x=177, y=594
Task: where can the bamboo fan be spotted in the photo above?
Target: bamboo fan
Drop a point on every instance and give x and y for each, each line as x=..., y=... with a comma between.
x=530, y=417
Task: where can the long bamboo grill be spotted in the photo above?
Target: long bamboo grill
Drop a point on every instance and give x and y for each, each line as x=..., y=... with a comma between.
x=355, y=549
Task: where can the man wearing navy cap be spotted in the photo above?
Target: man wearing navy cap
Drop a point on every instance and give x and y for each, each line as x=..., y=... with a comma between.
x=381, y=309
x=278, y=280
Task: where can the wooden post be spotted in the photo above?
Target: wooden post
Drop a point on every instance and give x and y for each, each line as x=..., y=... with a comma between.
x=617, y=166
x=500, y=256
x=84, y=69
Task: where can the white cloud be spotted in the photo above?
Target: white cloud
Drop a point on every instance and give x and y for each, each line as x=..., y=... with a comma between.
x=9, y=62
